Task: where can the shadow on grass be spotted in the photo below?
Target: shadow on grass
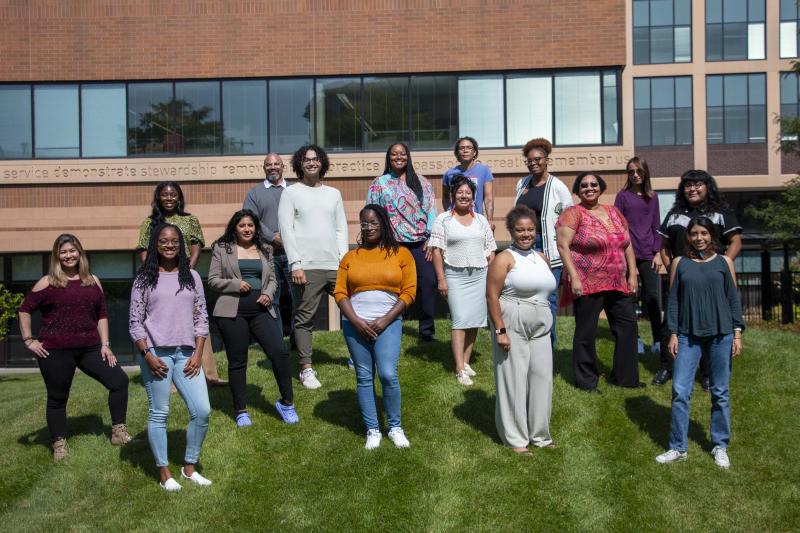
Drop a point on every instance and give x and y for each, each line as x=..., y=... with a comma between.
x=222, y=401
x=432, y=352
x=4, y=379
x=477, y=410
x=80, y=425
x=138, y=452
x=654, y=419
x=341, y=408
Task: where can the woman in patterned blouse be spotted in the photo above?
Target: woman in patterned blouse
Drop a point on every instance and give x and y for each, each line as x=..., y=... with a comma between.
x=600, y=274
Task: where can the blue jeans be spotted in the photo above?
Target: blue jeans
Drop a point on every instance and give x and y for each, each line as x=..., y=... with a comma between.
x=537, y=245
x=282, y=273
x=690, y=349
x=384, y=354
x=194, y=394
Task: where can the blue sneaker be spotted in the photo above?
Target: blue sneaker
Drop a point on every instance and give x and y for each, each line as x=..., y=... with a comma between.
x=639, y=346
x=287, y=412
x=243, y=420
x=656, y=347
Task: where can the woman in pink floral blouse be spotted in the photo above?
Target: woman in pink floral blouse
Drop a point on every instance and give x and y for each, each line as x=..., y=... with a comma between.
x=600, y=274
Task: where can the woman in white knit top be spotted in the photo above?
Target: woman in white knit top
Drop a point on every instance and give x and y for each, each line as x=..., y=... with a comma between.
x=463, y=245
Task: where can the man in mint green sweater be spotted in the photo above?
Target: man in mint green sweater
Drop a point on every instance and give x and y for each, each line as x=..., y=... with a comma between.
x=314, y=232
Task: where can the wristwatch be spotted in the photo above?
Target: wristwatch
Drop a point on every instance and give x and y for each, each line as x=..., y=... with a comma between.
x=501, y=331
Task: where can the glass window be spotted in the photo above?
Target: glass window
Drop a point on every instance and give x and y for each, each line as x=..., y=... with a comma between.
x=290, y=114
x=386, y=112
x=107, y=265
x=434, y=115
x=662, y=31
x=790, y=15
x=735, y=30
x=150, y=119
x=197, y=118
x=736, y=110
x=244, y=116
x=663, y=111
x=16, y=140
x=338, y=102
x=103, y=120
x=577, y=109
x=610, y=115
x=790, y=100
x=529, y=108
x=56, y=120
x=480, y=109
x=26, y=267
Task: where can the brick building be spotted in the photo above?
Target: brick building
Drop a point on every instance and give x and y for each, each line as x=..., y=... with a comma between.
x=101, y=99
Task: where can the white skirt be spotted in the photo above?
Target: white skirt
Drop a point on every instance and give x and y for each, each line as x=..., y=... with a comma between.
x=466, y=296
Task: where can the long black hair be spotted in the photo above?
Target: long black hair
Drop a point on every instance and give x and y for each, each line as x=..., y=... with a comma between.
x=157, y=216
x=412, y=180
x=388, y=241
x=147, y=276
x=705, y=222
x=229, y=237
x=713, y=200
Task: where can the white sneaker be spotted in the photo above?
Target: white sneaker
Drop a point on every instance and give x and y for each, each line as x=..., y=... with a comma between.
x=196, y=478
x=671, y=456
x=308, y=377
x=373, y=439
x=170, y=485
x=398, y=437
x=463, y=378
x=721, y=458
x=468, y=369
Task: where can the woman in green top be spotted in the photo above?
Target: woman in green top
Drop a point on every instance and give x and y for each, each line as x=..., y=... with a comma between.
x=169, y=206
x=241, y=271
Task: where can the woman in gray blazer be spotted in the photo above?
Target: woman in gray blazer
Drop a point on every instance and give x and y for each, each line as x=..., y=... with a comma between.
x=242, y=272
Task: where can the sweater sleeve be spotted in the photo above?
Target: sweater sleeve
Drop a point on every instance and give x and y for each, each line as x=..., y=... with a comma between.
x=200, y=315
x=340, y=292
x=408, y=284
x=734, y=301
x=286, y=223
x=342, y=239
x=32, y=301
x=215, y=279
x=144, y=235
x=656, y=224
x=672, y=305
x=137, y=314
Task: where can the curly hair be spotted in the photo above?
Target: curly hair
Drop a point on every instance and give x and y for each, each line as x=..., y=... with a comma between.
x=388, y=240
x=705, y=222
x=300, y=153
x=157, y=217
x=542, y=144
x=518, y=213
x=647, y=187
x=465, y=138
x=147, y=276
x=576, y=185
x=456, y=181
x=228, y=238
x=412, y=180
x=713, y=200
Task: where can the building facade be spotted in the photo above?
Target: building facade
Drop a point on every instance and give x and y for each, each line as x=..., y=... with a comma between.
x=101, y=100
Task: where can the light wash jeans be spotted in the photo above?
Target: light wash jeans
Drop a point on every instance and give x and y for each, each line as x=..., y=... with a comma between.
x=194, y=394
x=384, y=354
x=553, y=300
x=690, y=349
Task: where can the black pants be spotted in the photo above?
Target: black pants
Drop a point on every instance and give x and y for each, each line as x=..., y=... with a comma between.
x=254, y=319
x=58, y=369
x=426, y=288
x=651, y=289
x=621, y=315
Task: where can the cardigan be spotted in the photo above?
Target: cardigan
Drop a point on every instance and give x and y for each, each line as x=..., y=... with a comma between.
x=225, y=277
x=556, y=199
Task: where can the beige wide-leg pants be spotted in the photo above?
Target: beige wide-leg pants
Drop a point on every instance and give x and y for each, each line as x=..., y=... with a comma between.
x=524, y=374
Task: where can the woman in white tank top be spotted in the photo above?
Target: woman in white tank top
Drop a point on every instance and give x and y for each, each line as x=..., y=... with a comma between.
x=517, y=291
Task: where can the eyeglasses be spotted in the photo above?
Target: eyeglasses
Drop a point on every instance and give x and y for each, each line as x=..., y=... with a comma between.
x=536, y=160
x=311, y=160
x=163, y=243
x=590, y=185
x=634, y=171
x=466, y=148
x=370, y=225
x=694, y=185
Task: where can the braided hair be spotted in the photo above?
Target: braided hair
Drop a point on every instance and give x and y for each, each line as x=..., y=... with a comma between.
x=147, y=276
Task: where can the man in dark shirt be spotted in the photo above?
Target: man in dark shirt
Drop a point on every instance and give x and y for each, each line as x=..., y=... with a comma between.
x=697, y=195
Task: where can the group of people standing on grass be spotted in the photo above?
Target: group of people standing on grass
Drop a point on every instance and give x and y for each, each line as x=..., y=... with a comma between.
x=406, y=253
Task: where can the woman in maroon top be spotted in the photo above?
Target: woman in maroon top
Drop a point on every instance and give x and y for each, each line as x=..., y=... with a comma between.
x=74, y=334
x=600, y=267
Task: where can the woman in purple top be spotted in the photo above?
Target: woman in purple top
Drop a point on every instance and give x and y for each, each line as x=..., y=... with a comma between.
x=169, y=324
x=74, y=334
x=639, y=204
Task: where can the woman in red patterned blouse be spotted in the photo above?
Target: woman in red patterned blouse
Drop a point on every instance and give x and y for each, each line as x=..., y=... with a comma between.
x=600, y=274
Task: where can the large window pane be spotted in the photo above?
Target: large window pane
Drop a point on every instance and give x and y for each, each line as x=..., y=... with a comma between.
x=789, y=9
x=735, y=124
x=529, y=108
x=734, y=11
x=756, y=87
x=683, y=91
x=683, y=45
x=663, y=126
x=610, y=115
x=734, y=41
x=735, y=89
x=714, y=42
x=641, y=13
x=290, y=114
x=149, y=119
x=641, y=119
x=386, y=112
x=103, y=120
x=683, y=125
x=755, y=11
x=757, y=116
x=15, y=122
x=480, y=109
x=338, y=102
x=714, y=94
x=641, y=46
x=26, y=267
x=244, y=116
x=755, y=41
x=713, y=11
x=661, y=45
x=714, y=122
x=683, y=12
x=197, y=118
x=789, y=39
x=663, y=91
x=433, y=111
x=661, y=12
x=56, y=120
x=109, y=265
x=577, y=99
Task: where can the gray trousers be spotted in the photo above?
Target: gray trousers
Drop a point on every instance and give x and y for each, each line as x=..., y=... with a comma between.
x=524, y=375
x=306, y=302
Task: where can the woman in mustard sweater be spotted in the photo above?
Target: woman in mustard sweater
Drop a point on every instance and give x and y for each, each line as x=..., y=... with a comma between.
x=376, y=282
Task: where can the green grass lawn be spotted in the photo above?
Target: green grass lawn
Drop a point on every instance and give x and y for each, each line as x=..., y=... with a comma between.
x=602, y=475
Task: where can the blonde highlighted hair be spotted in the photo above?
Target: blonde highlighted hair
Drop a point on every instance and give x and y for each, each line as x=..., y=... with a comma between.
x=56, y=276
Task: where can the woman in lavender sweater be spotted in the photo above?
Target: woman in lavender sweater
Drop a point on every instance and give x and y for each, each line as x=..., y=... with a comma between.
x=169, y=324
